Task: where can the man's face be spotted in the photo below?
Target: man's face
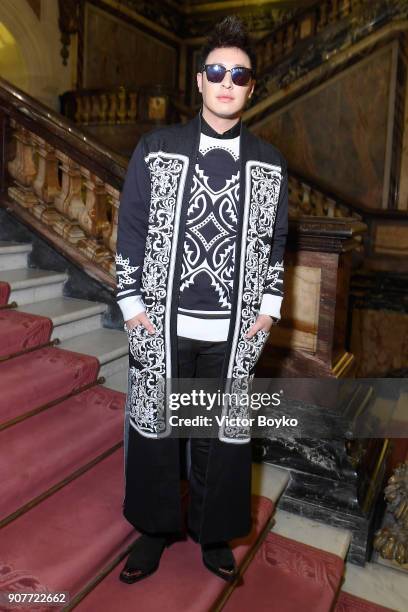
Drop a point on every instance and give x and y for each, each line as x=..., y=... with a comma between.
x=225, y=100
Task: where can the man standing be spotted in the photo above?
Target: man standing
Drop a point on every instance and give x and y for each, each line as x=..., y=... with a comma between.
x=203, y=222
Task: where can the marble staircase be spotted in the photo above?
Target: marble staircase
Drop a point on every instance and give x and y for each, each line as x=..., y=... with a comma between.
x=78, y=324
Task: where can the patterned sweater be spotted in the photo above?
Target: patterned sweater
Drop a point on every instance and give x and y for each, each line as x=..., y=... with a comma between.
x=209, y=243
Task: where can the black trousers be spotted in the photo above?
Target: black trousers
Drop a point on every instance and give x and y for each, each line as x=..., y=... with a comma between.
x=220, y=473
x=197, y=359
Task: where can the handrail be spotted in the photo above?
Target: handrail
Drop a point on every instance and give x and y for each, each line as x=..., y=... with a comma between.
x=41, y=119
x=311, y=20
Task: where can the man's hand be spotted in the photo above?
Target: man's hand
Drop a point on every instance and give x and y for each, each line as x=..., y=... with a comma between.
x=141, y=319
x=263, y=322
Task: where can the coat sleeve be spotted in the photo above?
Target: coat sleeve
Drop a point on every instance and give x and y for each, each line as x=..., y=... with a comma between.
x=273, y=289
x=132, y=232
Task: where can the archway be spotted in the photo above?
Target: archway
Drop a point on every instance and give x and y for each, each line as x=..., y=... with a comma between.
x=12, y=65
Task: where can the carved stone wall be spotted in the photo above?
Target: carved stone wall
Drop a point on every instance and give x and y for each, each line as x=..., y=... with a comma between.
x=118, y=53
x=341, y=133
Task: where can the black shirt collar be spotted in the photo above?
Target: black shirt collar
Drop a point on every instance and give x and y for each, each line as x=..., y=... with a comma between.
x=209, y=131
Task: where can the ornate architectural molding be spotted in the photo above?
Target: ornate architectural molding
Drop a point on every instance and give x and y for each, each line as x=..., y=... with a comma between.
x=392, y=540
x=68, y=24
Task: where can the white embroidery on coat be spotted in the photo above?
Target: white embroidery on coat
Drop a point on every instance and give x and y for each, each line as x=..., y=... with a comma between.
x=124, y=271
x=167, y=178
x=262, y=195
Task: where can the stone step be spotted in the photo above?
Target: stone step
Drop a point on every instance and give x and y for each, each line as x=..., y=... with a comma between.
x=110, y=346
x=70, y=316
x=30, y=285
x=13, y=255
x=313, y=533
x=118, y=381
x=382, y=585
x=270, y=481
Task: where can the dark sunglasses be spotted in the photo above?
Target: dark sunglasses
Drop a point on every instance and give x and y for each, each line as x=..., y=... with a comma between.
x=239, y=74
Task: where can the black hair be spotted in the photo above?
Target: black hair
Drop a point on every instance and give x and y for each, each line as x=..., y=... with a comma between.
x=230, y=32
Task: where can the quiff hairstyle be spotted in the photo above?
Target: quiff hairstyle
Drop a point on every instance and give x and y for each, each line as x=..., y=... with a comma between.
x=230, y=32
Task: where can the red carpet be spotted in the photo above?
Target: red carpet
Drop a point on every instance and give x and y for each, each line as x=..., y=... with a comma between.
x=4, y=293
x=181, y=583
x=41, y=451
x=287, y=576
x=64, y=541
x=47, y=374
x=21, y=330
x=350, y=603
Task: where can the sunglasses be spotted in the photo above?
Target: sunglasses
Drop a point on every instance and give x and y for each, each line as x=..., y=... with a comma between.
x=239, y=74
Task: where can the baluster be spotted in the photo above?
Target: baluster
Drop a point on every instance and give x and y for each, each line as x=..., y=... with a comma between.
x=94, y=109
x=334, y=12
x=112, y=108
x=69, y=202
x=87, y=218
x=323, y=16
x=132, y=112
x=319, y=208
x=14, y=164
x=307, y=25
x=345, y=8
x=103, y=108
x=63, y=193
x=93, y=219
x=331, y=207
x=305, y=202
x=121, y=112
x=46, y=185
x=23, y=168
x=110, y=235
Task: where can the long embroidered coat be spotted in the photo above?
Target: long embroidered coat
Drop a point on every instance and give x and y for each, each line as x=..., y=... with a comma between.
x=152, y=217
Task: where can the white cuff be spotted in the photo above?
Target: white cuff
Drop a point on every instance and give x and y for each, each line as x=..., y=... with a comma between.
x=131, y=306
x=271, y=305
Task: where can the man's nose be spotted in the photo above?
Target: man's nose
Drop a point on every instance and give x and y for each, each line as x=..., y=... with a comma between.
x=227, y=80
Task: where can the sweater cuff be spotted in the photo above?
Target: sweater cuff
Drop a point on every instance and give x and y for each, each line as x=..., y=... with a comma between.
x=271, y=305
x=131, y=306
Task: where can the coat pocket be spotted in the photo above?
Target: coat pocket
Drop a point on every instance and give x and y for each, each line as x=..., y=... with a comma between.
x=259, y=341
x=143, y=346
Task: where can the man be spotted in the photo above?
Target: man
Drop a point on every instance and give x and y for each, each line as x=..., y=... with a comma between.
x=203, y=221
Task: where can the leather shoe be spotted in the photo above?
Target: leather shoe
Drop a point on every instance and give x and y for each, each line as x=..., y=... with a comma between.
x=218, y=558
x=144, y=558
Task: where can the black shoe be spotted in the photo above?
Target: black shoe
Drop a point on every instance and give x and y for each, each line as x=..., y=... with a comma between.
x=144, y=558
x=218, y=558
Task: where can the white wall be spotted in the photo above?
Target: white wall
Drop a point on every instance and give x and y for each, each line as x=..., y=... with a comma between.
x=40, y=71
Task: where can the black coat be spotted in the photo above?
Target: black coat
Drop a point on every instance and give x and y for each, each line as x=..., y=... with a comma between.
x=152, y=218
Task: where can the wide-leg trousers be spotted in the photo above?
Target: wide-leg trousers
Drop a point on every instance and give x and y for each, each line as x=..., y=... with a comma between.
x=198, y=359
x=219, y=473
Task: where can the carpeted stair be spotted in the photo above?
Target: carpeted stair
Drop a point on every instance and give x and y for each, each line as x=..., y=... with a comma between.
x=41, y=377
x=4, y=293
x=21, y=331
x=62, y=475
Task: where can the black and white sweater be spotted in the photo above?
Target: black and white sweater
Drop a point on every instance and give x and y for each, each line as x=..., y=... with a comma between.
x=207, y=273
x=204, y=309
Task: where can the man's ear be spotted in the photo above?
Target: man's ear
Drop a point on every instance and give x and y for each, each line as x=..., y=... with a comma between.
x=252, y=89
x=200, y=81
